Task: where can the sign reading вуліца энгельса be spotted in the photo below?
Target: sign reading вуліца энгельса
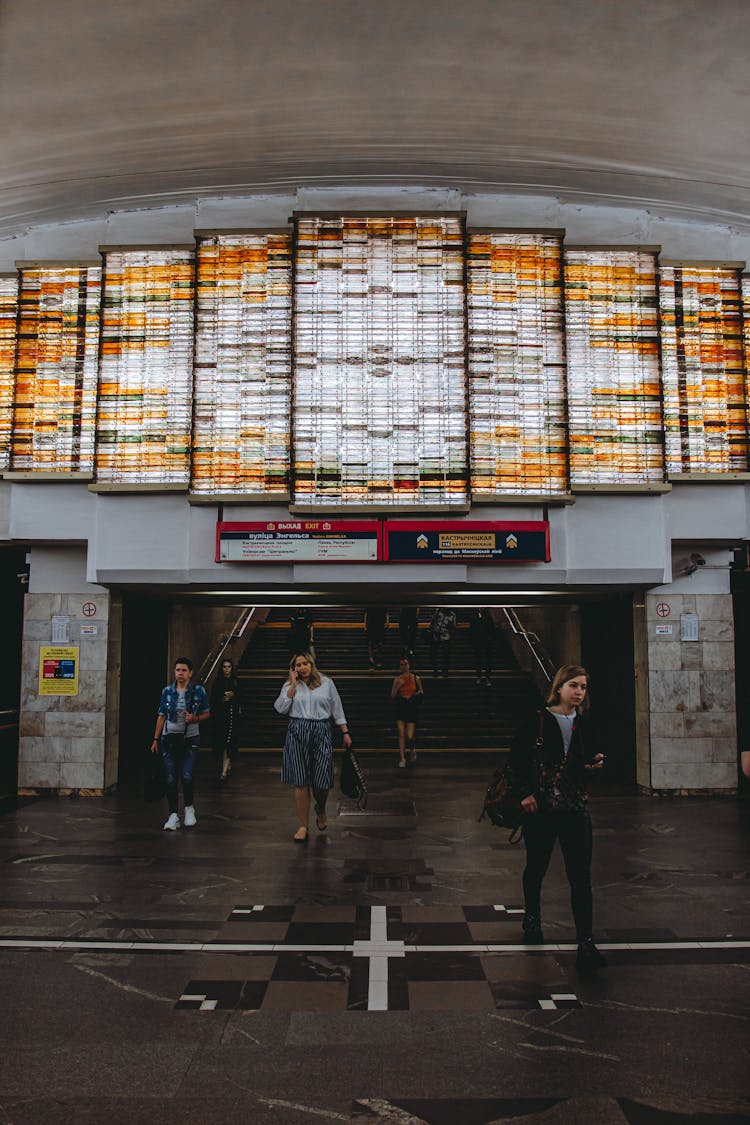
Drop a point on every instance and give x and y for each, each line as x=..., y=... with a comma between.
x=299, y=541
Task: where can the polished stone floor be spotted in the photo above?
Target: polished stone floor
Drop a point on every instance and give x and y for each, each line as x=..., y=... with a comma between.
x=225, y=974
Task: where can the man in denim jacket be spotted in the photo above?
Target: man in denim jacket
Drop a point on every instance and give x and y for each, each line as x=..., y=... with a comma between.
x=183, y=705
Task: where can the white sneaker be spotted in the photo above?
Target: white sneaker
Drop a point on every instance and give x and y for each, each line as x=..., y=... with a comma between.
x=172, y=822
x=402, y=764
x=189, y=816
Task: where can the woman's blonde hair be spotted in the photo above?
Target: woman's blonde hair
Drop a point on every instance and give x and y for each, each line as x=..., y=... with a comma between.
x=562, y=675
x=315, y=677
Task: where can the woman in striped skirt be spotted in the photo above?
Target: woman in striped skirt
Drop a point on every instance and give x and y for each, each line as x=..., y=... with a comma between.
x=312, y=704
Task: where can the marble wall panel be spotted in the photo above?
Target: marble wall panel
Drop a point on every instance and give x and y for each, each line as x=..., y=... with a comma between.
x=695, y=699
x=31, y=723
x=80, y=775
x=76, y=724
x=665, y=656
x=718, y=656
x=83, y=750
x=717, y=692
x=38, y=775
x=711, y=724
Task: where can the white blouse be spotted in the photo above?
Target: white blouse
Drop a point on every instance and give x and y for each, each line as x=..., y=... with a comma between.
x=317, y=703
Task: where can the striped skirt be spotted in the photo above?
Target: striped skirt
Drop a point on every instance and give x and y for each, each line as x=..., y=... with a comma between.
x=308, y=754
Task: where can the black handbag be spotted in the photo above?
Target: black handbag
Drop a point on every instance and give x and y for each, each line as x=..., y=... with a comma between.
x=352, y=779
x=154, y=777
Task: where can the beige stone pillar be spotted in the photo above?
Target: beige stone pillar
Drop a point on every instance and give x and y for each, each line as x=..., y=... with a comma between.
x=69, y=743
x=692, y=726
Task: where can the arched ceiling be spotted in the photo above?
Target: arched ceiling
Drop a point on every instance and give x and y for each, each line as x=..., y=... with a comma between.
x=119, y=104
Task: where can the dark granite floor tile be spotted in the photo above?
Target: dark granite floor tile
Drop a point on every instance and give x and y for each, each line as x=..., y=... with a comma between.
x=320, y=933
x=436, y=933
x=489, y=914
x=235, y=966
x=435, y=915
x=256, y=932
x=443, y=967
x=306, y=996
x=264, y=914
x=313, y=967
x=447, y=1111
x=448, y=995
x=329, y=914
x=497, y=933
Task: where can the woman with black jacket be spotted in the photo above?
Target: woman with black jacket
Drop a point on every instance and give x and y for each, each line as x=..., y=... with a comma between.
x=550, y=758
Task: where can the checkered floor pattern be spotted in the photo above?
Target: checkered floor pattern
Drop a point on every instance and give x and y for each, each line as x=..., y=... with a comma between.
x=396, y=958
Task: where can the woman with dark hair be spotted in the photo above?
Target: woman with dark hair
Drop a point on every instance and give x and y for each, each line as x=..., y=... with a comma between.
x=225, y=709
x=550, y=758
x=312, y=704
x=406, y=693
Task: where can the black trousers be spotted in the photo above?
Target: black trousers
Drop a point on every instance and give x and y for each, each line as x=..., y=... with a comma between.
x=573, y=830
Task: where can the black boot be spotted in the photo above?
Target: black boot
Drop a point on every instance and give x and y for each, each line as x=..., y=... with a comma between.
x=532, y=930
x=589, y=958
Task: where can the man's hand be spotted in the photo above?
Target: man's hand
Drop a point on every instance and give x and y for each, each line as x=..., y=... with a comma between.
x=529, y=804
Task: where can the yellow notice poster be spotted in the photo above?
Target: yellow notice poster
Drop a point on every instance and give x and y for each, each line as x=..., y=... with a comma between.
x=58, y=670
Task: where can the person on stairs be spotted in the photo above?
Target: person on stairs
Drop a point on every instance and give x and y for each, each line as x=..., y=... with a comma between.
x=312, y=703
x=182, y=707
x=550, y=758
x=407, y=693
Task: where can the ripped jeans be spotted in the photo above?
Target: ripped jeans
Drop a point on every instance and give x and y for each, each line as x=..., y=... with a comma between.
x=182, y=765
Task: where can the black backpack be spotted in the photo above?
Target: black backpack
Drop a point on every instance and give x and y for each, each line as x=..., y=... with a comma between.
x=502, y=799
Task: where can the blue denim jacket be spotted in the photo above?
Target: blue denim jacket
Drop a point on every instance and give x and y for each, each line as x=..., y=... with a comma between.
x=196, y=700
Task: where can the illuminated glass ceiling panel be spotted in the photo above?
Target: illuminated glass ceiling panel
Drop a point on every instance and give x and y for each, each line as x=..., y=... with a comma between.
x=145, y=375
x=516, y=364
x=56, y=365
x=705, y=408
x=8, y=312
x=379, y=352
x=243, y=365
x=614, y=393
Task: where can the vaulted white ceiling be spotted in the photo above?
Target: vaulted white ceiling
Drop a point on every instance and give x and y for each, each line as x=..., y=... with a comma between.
x=139, y=102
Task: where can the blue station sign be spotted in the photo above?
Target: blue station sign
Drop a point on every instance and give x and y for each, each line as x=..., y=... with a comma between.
x=466, y=541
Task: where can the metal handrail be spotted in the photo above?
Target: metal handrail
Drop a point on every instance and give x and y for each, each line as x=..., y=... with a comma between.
x=238, y=631
x=535, y=646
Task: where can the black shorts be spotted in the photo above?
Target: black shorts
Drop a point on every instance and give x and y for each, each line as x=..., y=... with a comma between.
x=407, y=709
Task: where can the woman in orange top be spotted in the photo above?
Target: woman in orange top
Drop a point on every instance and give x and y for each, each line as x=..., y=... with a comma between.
x=407, y=694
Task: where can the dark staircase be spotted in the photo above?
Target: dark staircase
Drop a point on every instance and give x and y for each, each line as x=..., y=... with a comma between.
x=456, y=714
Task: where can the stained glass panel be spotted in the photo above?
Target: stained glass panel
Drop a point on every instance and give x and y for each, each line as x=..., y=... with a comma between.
x=8, y=312
x=614, y=393
x=379, y=349
x=516, y=364
x=703, y=375
x=243, y=365
x=145, y=374
x=56, y=365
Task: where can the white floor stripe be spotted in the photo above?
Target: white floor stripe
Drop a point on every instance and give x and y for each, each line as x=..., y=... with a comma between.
x=381, y=947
